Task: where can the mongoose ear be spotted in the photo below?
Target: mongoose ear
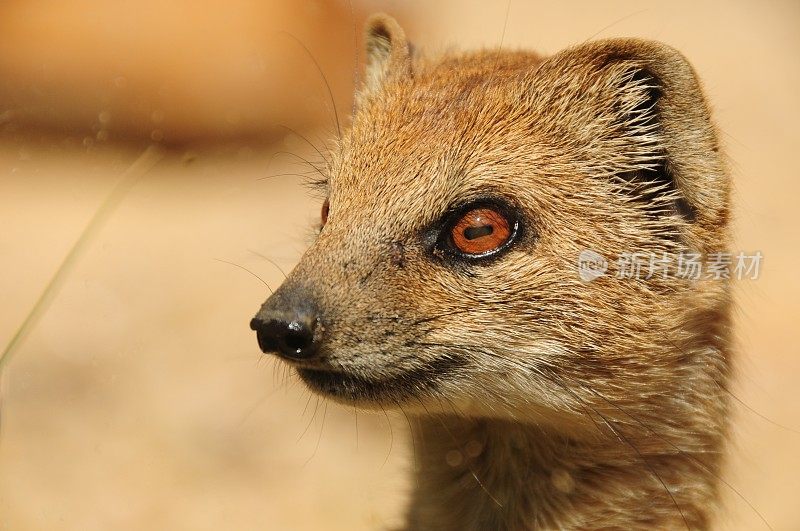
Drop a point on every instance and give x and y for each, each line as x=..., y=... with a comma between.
x=643, y=100
x=388, y=51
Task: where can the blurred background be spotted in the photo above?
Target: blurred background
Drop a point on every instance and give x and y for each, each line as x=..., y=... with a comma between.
x=141, y=401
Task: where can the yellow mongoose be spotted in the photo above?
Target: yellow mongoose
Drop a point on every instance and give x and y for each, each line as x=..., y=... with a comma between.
x=445, y=282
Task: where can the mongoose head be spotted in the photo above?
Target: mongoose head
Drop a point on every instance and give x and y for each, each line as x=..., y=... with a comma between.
x=445, y=275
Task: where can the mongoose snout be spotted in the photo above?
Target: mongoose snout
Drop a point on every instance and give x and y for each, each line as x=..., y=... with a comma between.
x=288, y=325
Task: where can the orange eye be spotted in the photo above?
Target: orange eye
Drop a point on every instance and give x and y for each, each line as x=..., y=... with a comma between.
x=481, y=231
x=326, y=207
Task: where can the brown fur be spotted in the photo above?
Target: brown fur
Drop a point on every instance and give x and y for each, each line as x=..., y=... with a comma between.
x=538, y=400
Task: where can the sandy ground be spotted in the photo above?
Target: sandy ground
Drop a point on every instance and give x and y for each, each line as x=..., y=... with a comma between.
x=141, y=400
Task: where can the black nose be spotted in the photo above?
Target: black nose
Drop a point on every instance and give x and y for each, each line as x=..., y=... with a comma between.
x=293, y=337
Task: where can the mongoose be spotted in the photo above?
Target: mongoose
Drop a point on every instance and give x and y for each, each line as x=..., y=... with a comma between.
x=444, y=281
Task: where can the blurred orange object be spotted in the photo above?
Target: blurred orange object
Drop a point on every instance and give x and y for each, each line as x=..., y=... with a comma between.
x=174, y=71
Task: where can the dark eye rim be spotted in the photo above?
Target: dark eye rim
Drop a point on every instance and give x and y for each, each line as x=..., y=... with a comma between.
x=446, y=246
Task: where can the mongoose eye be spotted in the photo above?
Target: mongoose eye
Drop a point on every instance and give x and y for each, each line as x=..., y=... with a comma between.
x=326, y=207
x=481, y=231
